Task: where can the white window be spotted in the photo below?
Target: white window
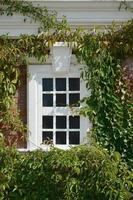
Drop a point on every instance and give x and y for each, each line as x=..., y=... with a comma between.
x=50, y=98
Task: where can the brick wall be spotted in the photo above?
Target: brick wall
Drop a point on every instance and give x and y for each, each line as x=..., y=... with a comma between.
x=22, y=95
x=13, y=138
x=128, y=63
x=22, y=103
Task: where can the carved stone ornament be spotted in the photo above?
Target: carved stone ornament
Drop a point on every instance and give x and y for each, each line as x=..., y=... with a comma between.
x=61, y=57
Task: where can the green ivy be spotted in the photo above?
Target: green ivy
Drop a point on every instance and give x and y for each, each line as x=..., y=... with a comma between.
x=25, y=46
x=110, y=105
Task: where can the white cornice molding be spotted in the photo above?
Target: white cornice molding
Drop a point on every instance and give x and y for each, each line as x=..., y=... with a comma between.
x=84, y=13
x=76, y=4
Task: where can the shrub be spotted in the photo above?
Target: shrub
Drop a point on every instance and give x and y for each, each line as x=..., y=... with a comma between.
x=81, y=173
x=8, y=157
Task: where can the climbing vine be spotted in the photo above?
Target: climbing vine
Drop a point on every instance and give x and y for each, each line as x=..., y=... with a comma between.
x=45, y=18
x=110, y=105
x=25, y=46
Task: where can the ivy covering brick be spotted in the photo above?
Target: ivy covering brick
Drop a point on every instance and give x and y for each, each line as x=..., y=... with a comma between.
x=110, y=105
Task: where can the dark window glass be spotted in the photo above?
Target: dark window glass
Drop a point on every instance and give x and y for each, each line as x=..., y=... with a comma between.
x=47, y=122
x=61, y=100
x=74, y=84
x=74, y=137
x=74, y=99
x=60, y=137
x=60, y=84
x=47, y=135
x=47, y=84
x=47, y=100
x=74, y=122
x=61, y=122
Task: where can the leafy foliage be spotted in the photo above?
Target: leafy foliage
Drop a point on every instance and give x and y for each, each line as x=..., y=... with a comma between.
x=81, y=173
x=110, y=105
x=9, y=81
x=45, y=18
x=14, y=54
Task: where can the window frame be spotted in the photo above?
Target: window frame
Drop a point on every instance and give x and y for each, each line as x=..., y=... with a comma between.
x=37, y=72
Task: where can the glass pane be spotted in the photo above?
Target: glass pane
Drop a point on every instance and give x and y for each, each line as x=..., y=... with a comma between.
x=73, y=99
x=61, y=122
x=61, y=100
x=60, y=137
x=60, y=84
x=74, y=137
x=47, y=135
x=47, y=84
x=47, y=122
x=74, y=84
x=74, y=122
x=47, y=100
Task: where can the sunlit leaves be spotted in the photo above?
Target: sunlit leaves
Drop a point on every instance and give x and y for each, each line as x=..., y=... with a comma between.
x=110, y=99
x=80, y=173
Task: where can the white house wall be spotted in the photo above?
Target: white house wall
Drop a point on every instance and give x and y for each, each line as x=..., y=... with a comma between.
x=79, y=13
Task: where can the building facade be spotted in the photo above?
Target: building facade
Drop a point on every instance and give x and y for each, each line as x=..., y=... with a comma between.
x=48, y=90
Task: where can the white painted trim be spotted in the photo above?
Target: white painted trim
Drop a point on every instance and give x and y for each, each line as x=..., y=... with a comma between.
x=36, y=73
x=23, y=150
x=32, y=109
x=84, y=13
x=56, y=4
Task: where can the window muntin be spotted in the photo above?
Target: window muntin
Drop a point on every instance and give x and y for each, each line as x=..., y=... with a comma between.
x=62, y=128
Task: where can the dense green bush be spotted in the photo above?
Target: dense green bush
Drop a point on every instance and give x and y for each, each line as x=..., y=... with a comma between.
x=82, y=173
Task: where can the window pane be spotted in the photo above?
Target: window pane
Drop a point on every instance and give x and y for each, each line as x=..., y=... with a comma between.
x=74, y=122
x=74, y=84
x=73, y=99
x=47, y=84
x=60, y=137
x=61, y=122
x=47, y=100
x=74, y=137
x=47, y=122
x=47, y=135
x=60, y=84
x=61, y=100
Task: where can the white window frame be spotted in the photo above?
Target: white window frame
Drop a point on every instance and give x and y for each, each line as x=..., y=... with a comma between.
x=34, y=100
